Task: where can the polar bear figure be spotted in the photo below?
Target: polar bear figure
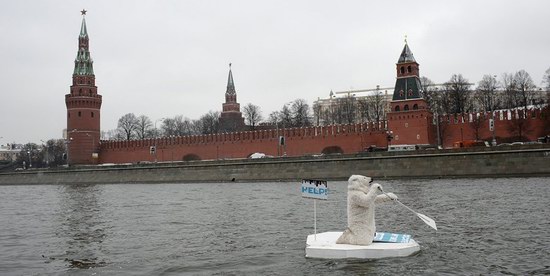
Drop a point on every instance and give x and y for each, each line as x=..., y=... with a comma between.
x=362, y=199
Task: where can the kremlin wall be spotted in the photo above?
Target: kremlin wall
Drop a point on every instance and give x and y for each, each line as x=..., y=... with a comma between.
x=409, y=122
x=298, y=142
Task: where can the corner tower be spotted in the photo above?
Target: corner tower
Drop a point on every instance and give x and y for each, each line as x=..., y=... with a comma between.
x=83, y=106
x=231, y=118
x=410, y=120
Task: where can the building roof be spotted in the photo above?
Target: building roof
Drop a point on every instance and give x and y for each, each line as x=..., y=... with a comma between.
x=83, y=64
x=407, y=88
x=406, y=55
x=230, y=84
x=83, y=30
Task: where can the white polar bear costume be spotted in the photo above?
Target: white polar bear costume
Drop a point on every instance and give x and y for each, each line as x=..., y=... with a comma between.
x=361, y=201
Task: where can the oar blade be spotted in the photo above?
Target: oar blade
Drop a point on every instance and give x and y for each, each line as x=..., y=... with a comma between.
x=430, y=222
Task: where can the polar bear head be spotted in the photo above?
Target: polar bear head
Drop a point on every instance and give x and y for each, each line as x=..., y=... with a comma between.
x=360, y=183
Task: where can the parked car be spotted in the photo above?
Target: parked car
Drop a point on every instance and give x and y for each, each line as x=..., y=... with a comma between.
x=374, y=148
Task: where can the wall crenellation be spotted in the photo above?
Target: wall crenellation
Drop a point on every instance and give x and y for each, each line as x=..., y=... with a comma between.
x=249, y=136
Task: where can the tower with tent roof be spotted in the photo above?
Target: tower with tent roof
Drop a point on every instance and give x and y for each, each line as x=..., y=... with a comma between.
x=83, y=106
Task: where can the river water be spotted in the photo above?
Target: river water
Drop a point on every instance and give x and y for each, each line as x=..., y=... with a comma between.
x=486, y=226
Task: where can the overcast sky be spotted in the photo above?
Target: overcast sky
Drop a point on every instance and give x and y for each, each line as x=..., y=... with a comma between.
x=166, y=58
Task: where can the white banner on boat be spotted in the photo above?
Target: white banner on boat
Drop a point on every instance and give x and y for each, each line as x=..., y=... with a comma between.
x=316, y=189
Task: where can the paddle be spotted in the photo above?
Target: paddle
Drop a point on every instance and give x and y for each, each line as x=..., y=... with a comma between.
x=430, y=222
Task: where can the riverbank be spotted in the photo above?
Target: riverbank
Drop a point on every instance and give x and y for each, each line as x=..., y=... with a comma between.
x=524, y=161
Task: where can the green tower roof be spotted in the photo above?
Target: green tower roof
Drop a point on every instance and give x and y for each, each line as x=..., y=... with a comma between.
x=230, y=84
x=83, y=30
x=83, y=64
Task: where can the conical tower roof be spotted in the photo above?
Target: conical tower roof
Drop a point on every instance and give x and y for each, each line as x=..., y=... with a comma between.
x=83, y=30
x=406, y=55
x=230, y=83
x=83, y=64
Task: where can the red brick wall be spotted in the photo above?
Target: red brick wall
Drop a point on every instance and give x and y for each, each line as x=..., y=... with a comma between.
x=460, y=127
x=299, y=141
x=410, y=127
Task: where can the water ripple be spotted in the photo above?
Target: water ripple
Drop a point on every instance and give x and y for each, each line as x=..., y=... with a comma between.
x=486, y=226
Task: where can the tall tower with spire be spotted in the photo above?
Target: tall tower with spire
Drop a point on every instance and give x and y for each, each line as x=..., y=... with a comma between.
x=410, y=119
x=83, y=106
x=231, y=118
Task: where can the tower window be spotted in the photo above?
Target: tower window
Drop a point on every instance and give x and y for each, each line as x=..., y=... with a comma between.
x=397, y=108
x=409, y=69
x=68, y=114
x=415, y=107
x=80, y=92
x=406, y=107
x=79, y=114
x=92, y=114
x=402, y=70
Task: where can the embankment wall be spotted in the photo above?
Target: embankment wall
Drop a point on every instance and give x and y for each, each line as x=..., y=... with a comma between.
x=486, y=162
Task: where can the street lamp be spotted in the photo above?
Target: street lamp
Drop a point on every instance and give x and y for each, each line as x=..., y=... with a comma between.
x=30, y=161
x=67, y=142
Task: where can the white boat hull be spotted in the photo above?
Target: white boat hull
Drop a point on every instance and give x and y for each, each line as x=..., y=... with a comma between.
x=323, y=245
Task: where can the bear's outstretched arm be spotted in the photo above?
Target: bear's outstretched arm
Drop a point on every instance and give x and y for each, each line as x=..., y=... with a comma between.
x=385, y=198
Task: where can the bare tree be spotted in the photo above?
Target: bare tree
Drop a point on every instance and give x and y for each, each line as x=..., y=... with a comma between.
x=274, y=118
x=525, y=89
x=430, y=93
x=336, y=113
x=210, y=122
x=458, y=91
x=376, y=104
x=364, y=110
x=486, y=93
x=182, y=126
x=546, y=80
x=127, y=124
x=168, y=127
x=348, y=107
x=143, y=127
x=317, y=113
x=285, y=117
x=252, y=114
x=52, y=152
x=300, y=113
x=29, y=156
x=510, y=96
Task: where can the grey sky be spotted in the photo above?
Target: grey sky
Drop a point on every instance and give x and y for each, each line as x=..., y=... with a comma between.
x=166, y=58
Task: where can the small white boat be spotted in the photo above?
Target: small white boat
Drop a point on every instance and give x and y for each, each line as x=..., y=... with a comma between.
x=323, y=245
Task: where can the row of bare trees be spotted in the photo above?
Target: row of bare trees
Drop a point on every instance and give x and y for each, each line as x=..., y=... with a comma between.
x=457, y=95
x=130, y=127
x=50, y=154
x=293, y=114
x=350, y=109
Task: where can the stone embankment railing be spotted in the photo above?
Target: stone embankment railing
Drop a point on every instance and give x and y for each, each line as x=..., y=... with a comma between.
x=507, y=161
